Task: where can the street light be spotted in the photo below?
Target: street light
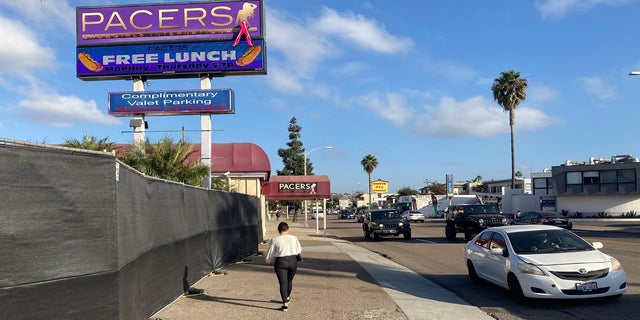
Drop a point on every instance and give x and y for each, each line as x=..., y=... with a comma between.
x=306, y=223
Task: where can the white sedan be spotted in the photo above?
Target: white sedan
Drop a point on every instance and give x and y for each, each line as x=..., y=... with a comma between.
x=413, y=216
x=540, y=261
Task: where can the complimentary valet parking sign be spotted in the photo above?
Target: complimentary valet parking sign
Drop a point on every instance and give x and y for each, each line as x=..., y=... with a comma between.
x=122, y=104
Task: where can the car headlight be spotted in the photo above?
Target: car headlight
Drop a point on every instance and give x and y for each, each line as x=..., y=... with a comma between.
x=481, y=222
x=400, y=224
x=504, y=220
x=615, y=264
x=528, y=268
x=381, y=226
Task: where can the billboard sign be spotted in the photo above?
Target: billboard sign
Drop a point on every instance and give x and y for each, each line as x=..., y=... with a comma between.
x=161, y=103
x=169, y=23
x=449, y=181
x=380, y=186
x=162, y=61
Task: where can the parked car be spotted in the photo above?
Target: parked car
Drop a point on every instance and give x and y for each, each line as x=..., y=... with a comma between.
x=346, y=214
x=317, y=214
x=385, y=222
x=471, y=219
x=413, y=216
x=544, y=217
x=360, y=216
x=539, y=261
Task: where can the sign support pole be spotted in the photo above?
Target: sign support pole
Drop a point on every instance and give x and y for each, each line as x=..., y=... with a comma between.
x=205, y=135
x=138, y=130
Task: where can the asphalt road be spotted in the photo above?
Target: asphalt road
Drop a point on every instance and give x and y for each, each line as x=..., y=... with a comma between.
x=429, y=254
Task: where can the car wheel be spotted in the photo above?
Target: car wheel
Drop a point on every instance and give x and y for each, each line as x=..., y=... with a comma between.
x=473, y=275
x=468, y=236
x=450, y=232
x=407, y=235
x=515, y=290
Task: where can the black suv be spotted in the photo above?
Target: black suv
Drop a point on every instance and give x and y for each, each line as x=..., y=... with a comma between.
x=385, y=222
x=470, y=219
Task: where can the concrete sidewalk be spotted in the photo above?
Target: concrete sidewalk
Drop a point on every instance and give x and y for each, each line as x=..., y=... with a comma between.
x=337, y=280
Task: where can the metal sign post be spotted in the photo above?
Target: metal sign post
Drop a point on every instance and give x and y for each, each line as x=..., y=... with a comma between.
x=205, y=135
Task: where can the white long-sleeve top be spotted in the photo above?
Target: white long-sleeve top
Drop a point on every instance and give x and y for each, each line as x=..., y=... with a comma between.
x=282, y=246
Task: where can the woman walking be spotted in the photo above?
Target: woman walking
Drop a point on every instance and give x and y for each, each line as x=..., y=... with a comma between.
x=284, y=252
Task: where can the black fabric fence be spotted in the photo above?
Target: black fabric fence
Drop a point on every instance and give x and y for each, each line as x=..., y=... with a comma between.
x=83, y=236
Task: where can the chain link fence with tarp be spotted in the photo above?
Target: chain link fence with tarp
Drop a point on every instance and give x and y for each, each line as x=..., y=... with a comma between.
x=83, y=236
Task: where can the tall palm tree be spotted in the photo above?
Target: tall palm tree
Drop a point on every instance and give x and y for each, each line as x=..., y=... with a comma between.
x=369, y=163
x=509, y=90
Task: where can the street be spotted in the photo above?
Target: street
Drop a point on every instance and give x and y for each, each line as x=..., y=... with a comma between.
x=429, y=254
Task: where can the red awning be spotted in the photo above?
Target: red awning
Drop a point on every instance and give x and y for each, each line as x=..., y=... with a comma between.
x=297, y=188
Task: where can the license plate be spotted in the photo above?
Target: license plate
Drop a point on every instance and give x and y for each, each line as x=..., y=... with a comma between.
x=391, y=231
x=587, y=286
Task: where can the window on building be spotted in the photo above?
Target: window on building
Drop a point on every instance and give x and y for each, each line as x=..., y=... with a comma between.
x=574, y=177
x=609, y=176
x=608, y=181
x=591, y=177
x=542, y=186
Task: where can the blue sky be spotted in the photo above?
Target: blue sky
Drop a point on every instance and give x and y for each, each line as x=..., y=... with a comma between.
x=406, y=81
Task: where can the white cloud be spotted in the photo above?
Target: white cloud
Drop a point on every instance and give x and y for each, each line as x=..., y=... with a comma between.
x=475, y=117
x=365, y=33
x=62, y=111
x=307, y=45
x=392, y=107
x=50, y=14
x=556, y=9
x=596, y=86
x=21, y=53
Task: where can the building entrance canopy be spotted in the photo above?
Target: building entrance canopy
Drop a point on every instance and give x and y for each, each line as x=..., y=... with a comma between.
x=297, y=188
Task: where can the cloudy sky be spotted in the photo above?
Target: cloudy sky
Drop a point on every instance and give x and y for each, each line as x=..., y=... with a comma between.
x=406, y=81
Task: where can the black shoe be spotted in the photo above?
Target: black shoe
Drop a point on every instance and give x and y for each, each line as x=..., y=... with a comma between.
x=284, y=308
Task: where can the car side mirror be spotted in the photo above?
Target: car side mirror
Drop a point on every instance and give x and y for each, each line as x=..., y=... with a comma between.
x=500, y=252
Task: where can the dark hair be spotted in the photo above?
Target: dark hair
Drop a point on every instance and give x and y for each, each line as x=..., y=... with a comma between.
x=283, y=226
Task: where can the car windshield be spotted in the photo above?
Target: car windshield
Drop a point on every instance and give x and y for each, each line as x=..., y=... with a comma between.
x=481, y=209
x=547, y=241
x=385, y=215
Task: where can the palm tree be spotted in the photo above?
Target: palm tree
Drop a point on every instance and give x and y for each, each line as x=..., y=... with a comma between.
x=90, y=143
x=509, y=90
x=166, y=160
x=369, y=163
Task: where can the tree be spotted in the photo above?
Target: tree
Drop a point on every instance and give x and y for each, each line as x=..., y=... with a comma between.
x=90, y=143
x=166, y=160
x=293, y=157
x=407, y=191
x=437, y=188
x=509, y=90
x=369, y=163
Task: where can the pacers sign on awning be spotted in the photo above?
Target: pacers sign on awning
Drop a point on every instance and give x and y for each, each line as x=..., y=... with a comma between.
x=380, y=186
x=297, y=188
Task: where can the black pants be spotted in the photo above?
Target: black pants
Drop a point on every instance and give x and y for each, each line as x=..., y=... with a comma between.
x=285, y=270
